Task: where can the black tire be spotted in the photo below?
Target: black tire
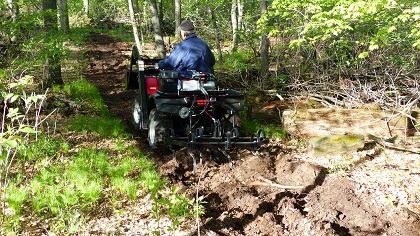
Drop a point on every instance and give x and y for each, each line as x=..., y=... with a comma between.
x=159, y=128
x=228, y=120
x=137, y=114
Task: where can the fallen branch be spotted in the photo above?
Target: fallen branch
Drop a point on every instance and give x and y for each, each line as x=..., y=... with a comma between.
x=392, y=146
x=269, y=183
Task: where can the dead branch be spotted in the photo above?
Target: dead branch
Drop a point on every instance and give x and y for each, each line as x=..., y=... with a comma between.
x=269, y=183
x=393, y=146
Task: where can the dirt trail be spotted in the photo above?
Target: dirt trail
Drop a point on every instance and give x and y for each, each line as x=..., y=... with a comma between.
x=248, y=199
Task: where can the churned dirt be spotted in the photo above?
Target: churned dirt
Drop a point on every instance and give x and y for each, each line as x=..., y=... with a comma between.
x=281, y=191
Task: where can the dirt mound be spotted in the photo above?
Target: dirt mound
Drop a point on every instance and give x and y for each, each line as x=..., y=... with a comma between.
x=281, y=193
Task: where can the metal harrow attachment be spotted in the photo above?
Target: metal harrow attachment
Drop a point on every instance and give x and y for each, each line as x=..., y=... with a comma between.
x=229, y=141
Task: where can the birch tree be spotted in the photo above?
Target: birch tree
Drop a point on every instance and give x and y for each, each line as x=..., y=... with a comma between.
x=240, y=14
x=177, y=18
x=265, y=44
x=134, y=25
x=234, y=21
x=86, y=7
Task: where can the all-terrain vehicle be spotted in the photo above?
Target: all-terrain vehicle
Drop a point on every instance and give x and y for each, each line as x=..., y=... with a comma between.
x=186, y=112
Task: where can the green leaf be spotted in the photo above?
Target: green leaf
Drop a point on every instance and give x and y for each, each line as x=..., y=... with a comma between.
x=373, y=47
x=175, y=188
x=12, y=85
x=34, y=98
x=391, y=29
x=11, y=143
x=8, y=96
x=14, y=98
x=28, y=129
x=363, y=55
x=61, y=199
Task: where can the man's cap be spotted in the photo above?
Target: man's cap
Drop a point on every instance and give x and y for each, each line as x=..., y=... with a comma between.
x=186, y=25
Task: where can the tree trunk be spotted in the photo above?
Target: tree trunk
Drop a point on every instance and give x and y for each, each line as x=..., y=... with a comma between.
x=234, y=26
x=240, y=14
x=216, y=33
x=52, y=63
x=134, y=24
x=177, y=18
x=160, y=10
x=86, y=7
x=157, y=29
x=64, y=16
x=265, y=44
x=136, y=7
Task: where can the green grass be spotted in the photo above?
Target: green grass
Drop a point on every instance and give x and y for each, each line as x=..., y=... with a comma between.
x=272, y=131
x=98, y=120
x=80, y=35
x=16, y=197
x=86, y=95
x=82, y=181
x=120, y=179
x=104, y=126
x=45, y=147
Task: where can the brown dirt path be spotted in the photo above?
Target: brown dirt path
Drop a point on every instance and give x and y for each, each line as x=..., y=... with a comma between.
x=247, y=199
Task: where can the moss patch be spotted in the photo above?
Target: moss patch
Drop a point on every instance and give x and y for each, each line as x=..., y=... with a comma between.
x=336, y=144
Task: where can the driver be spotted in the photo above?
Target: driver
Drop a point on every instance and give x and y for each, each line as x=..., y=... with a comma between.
x=192, y=54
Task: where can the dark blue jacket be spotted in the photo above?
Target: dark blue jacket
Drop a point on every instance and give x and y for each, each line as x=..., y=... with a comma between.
x=190, y=54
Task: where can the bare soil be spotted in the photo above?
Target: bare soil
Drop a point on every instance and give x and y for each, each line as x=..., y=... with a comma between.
x=375, y=191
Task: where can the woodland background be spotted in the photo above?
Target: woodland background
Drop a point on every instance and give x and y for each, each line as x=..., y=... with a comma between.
x=343, y=53
x=346, y=54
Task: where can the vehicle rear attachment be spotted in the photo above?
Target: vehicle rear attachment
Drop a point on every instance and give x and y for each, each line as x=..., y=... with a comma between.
x=227, y=142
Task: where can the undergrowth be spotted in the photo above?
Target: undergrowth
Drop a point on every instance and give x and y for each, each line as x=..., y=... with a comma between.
x=60, y=172
x=254, y=126
x=271, y=130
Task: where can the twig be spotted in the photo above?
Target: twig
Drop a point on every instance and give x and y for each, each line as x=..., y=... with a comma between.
x=412, y=213
x=326, y=99
x=284, y=101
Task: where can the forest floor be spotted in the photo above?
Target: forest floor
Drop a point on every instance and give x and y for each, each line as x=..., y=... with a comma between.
x=374, y=191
